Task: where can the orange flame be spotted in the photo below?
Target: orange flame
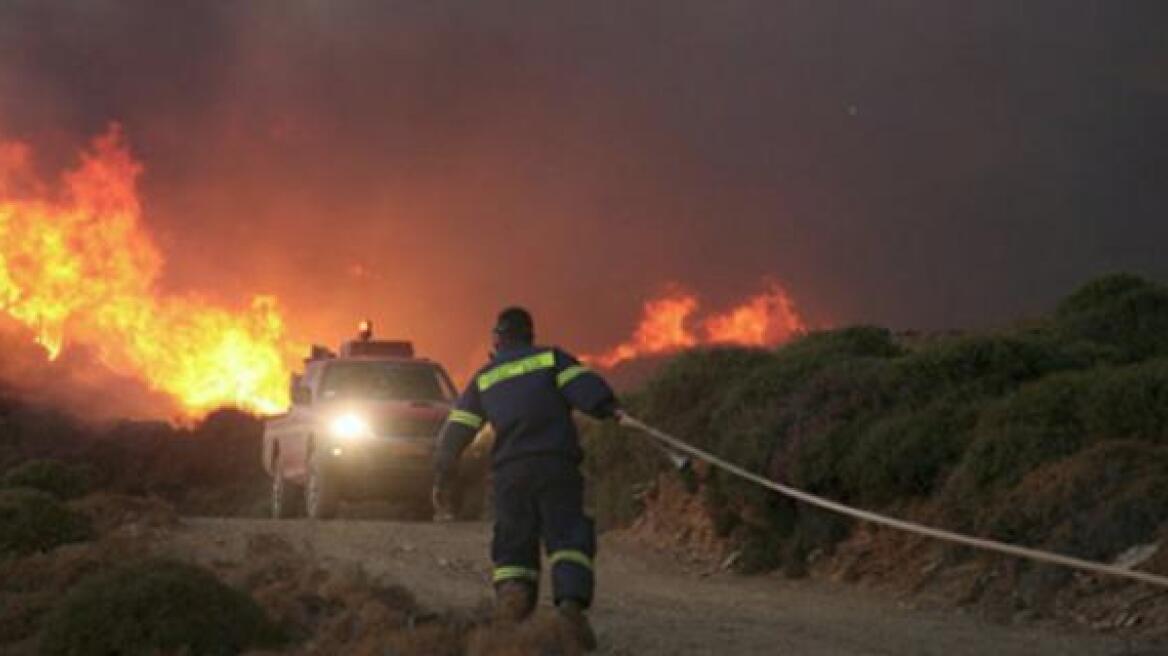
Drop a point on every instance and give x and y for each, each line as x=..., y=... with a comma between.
x=79, y=266
x=662, y=329
x=764, y=320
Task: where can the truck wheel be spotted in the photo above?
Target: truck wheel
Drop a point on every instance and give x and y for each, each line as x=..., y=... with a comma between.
x=321, y=496
x=287, y=497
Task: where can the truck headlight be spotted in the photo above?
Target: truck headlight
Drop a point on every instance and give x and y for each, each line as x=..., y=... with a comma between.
x=349, y=427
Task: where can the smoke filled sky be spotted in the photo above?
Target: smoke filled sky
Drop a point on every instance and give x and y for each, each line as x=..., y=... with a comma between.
x=915, y=163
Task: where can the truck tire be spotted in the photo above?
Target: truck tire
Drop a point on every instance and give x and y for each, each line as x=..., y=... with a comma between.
x=287, y=498
x=321, y=496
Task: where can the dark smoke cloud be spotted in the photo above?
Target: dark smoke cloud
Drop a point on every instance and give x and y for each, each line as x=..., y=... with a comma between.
x=919, y=163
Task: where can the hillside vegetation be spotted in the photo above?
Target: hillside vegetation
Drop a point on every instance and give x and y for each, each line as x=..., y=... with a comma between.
x=209, y=468
x=1053, y=434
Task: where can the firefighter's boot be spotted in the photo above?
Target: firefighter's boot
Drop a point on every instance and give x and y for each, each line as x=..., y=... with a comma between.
x=514, y=602
x=573, y=616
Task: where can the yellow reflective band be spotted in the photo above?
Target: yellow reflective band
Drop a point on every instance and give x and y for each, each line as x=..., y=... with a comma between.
x=511, y=572
x=570, y=556
x=466, y=418
x=568, y=375
x=546, y=360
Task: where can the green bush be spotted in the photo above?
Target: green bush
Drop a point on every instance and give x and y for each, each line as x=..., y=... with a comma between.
x=826, y=418
x=1125, y=312
x=683, y=396
x=52, y=476
x=31, y=521
x=819, y=348
x=1060, y=415
x=741, y=404
x=977, y=366
x=1128, y=402
x=896, y=427
x=907, y=455
x=767, y=415
x=1037, y=424
x=156, y=606
x=1101, y=293
x=1094, y=504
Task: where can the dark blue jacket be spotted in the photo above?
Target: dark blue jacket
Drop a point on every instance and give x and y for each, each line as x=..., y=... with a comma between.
x=527, y=393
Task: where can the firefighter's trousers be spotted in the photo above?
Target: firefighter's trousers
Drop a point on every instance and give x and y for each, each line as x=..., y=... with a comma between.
x=542, y=497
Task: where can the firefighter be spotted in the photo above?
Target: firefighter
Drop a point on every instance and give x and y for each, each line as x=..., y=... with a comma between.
x=527, y=394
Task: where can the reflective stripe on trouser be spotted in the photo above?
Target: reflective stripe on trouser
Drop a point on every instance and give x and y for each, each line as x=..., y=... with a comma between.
x=515, y=572
x=572, y=575
x=543, y=498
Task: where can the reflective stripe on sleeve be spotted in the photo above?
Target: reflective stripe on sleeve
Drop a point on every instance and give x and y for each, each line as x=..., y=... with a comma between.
x=509, y=370
x=571, y=556
x=568, y=375
x=512, y=572
x=466, y=419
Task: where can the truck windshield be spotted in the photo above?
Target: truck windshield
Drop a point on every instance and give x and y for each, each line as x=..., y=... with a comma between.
x=385, y=380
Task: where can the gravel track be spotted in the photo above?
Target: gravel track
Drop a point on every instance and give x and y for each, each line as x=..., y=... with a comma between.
x=648, y=604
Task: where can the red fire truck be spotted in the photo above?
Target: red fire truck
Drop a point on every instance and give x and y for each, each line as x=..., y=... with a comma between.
x=362, y=426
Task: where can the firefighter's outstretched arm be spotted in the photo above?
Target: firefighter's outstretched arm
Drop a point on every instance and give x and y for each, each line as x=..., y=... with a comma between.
x=460, y=429
x=584, y=389
x=588, y=392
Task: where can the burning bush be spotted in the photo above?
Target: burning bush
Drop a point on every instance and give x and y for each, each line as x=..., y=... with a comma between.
x=153, y=606
x=53, y=476
x=31, y=520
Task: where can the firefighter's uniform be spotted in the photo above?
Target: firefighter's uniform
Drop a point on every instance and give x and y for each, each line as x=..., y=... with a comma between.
x=527, y=393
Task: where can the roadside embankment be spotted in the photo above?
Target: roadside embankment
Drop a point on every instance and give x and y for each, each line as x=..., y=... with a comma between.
x=1050, y=434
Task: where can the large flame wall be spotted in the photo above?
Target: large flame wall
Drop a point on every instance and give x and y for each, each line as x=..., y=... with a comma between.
x=77, y=265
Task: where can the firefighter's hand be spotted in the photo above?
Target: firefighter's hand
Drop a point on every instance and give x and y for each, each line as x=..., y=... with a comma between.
x=619, y=416
x=440, y=498
x=612, y=411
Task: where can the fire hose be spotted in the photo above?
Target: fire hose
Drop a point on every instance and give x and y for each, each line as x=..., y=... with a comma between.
x=673, y=446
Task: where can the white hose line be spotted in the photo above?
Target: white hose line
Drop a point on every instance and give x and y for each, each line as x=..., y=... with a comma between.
x=900, y=524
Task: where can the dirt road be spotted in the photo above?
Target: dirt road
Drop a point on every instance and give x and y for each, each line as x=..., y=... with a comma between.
x=650, y=605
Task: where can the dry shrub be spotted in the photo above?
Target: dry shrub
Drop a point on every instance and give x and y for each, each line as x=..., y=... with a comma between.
x=1103, y=500
x=33, y=585
x=52, y=476
x=675, y=518
x=31, y=521
x=211, y=468
x=541, y=635
x=108, y=512
x=342, y=609
x=153, y=606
